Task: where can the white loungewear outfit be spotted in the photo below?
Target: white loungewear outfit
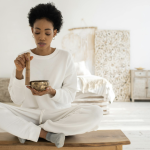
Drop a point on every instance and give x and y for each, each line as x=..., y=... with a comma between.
x=52, y=113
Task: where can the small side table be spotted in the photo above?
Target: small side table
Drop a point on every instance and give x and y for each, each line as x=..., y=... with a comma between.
x=140, y=85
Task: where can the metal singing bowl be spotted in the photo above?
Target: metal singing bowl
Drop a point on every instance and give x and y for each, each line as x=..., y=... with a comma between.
x=39, y=85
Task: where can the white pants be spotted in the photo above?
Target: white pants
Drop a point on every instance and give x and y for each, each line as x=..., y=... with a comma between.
x=26, y=123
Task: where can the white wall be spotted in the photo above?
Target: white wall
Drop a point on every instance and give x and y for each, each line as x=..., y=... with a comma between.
x=133, y=15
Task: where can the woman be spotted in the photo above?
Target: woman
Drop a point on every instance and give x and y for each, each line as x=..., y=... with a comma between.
x=46, y=114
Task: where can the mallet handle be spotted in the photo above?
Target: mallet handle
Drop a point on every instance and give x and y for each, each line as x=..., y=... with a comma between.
x=27, y=77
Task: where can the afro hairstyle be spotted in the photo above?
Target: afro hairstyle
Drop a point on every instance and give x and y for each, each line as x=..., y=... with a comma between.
x=47, y=11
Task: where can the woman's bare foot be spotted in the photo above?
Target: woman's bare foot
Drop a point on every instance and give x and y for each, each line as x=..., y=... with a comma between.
x=43, y=134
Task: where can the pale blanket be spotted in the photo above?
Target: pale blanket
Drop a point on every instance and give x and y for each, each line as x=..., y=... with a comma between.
x=90, y=84
x=95, y=85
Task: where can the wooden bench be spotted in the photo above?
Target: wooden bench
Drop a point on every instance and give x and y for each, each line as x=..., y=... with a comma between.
x=94, y=140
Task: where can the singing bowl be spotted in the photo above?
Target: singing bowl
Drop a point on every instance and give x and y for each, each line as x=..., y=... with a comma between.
x=39, y=85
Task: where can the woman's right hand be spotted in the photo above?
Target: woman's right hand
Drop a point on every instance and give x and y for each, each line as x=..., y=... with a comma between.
x=20, y=61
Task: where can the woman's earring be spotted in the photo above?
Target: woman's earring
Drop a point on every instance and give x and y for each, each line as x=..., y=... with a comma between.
x=54, y=38
x=32, y=36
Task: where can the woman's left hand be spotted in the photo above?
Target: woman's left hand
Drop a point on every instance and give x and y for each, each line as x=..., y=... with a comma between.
x=48, y=90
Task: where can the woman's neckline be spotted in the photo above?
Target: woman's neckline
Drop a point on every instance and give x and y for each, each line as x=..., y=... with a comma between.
x=46, y=56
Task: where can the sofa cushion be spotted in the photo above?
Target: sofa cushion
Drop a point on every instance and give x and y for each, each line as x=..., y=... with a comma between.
x=4, y=94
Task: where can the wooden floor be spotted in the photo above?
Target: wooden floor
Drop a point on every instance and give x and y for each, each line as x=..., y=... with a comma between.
x=133, y=119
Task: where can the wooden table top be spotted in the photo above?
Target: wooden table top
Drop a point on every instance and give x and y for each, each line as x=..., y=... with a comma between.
x=89, y=139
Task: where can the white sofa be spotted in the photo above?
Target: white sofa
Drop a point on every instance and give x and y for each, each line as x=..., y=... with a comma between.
x=4, y=94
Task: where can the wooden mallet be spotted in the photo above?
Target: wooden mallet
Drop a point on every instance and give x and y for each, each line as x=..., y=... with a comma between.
x=27, y=74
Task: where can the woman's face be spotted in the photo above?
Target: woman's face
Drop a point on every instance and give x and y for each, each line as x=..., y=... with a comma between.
x=43, y=32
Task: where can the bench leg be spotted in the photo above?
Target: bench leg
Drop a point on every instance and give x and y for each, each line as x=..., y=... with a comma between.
x=119, y=147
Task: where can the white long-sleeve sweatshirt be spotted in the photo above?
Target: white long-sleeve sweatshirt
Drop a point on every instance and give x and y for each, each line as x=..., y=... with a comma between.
x=59, y=69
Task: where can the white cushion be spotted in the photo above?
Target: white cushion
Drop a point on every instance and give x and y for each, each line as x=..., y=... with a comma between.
x=81, y=68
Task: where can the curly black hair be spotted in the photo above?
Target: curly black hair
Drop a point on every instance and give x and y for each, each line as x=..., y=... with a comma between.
x=47, y=11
